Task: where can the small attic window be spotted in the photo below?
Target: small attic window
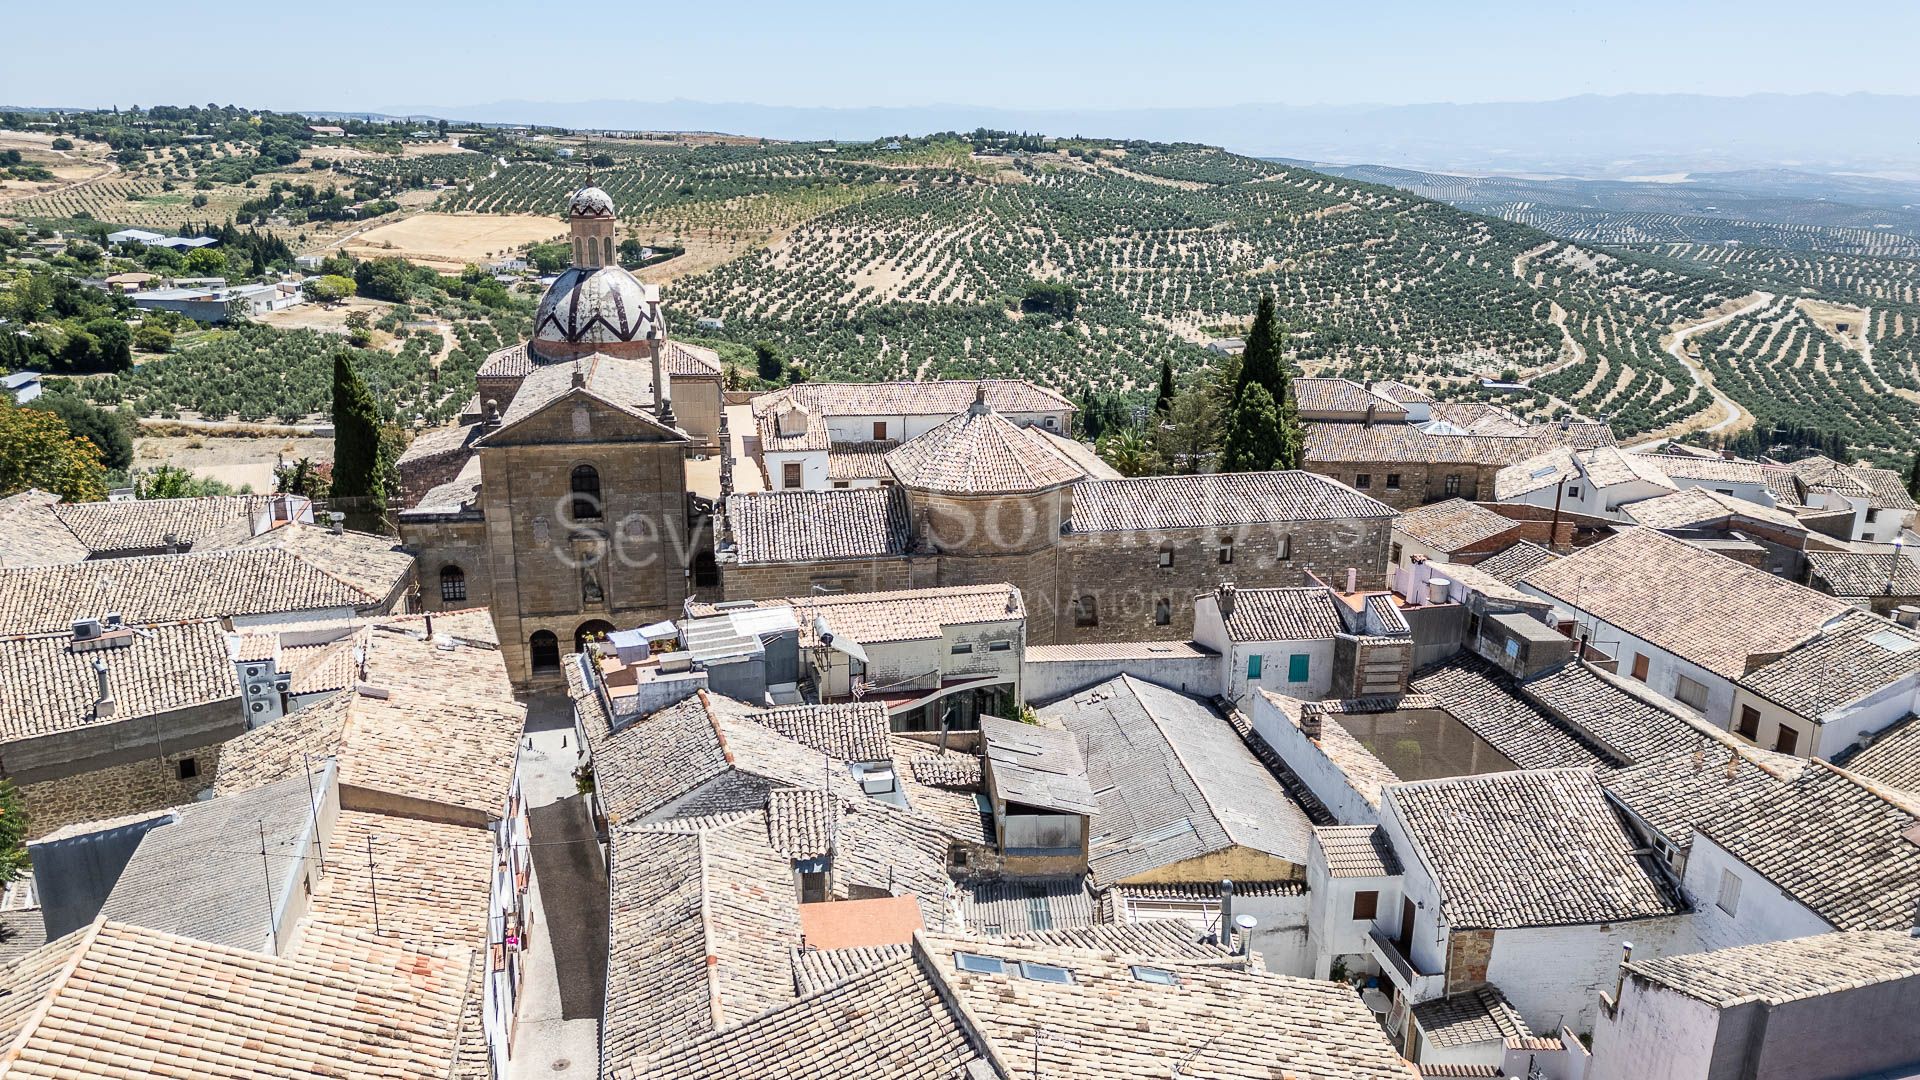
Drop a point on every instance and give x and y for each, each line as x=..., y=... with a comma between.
x=1156, y=976
x=984, y=965
x=1046, y=973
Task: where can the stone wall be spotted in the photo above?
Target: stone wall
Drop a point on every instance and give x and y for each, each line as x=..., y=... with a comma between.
x=1468, y=953
x=440, y=544
x=798, y=578
x=1123, y=571
x=1420, y=483
x=550, y=572
x=132, y=787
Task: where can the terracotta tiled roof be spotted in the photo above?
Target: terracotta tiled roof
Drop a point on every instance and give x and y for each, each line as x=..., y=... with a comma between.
x=1480, y=1015
x=1700, y=606
x=1523, y=849
x=805, y=526
x=376, y=565
x=1480, y=696
x=1859, y=656
x=1893, y=758
x=138, y=525
x=46, y=687
x=1536, y=473
x=1629, y=721
x=1185, y=502
x=854, y=731
x=933, y=398
x=918, y=1016
x=1861, y=574
x=428, y=884
x=1777, y=972
x=1328, y=444
x=1452, y=524
x=1610, y=466
x=1688, y=467
x=860, y=460
x=1883, y=488
x=1835, y=842
x=1689, y=784
x=1357, y=851
x=980, y=452
x=1699, y=506
x=1480, y=418
x=677, y=359
x=1510, y=564
x=138, y=1001
x=447, y=731
x=32, y=534
x=1323, y=396
x=161, y=588
x=1307, y=613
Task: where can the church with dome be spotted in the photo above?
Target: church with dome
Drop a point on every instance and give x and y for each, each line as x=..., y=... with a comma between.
x=561, y=501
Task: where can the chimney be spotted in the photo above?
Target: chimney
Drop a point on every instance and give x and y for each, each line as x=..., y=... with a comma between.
x=1371, y=409
x=1226, y=912
x=662, y=390
x=338, y=522
x=491, y=413
x=1224, y=595
x=1310, y=720
x=579, y=376
x=103, y=703
x=172, y=543
x=1620, y=981
x=1907, y=615
x=1353, y=580
x=979, y=406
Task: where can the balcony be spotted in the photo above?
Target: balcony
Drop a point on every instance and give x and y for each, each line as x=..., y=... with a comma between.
x=1414, y=984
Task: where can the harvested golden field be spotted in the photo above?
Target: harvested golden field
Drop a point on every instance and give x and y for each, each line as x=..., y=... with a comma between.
x=454, y=240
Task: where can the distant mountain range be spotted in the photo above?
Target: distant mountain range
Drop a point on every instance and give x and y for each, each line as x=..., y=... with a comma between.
x=1589, y=136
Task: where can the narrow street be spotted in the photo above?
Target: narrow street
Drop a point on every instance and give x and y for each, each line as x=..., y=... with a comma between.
x=564, y=991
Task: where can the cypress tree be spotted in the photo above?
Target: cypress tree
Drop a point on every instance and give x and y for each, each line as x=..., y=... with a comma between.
x=356, y=433
x=1260, y=362
x=1255, y=439
x=1913, y=476
x=1164, y=401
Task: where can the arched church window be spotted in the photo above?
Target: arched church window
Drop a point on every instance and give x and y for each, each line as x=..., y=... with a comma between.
x=606, y=257
x=544, y=649
x=586, y=493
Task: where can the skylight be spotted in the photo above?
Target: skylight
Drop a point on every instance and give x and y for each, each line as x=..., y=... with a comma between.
x=1046, y=973
x=985, y=965
x=1893, y=641
x=1157, y=976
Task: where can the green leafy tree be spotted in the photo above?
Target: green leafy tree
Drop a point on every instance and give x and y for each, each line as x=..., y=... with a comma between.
x=1128, y=451
x=356, y=434
x=110, y=431
x=1189, y=434
x=384, y=279
x=153, y=338
x=174, y=482
x=205, y=262
x=1163, y=401
x=1253, y=440
x=13, y=831
x=301, y=478
x=38, y=451
x=328, y=289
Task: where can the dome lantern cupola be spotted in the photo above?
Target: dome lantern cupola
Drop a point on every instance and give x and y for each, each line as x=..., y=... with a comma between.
x=592, y=221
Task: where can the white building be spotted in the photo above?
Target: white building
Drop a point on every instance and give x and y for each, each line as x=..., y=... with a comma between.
x=1833, y=692
x=1812, y=1007
x=1830, y=851
x=1685, y=621
x=1523, y=880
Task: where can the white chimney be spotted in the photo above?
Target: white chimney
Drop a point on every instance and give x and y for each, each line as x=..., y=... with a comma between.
x=339, y=522
x=1437, y=590
x=1353, y=579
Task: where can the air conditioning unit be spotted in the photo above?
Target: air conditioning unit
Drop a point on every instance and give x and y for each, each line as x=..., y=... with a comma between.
x=86, y=629
x=257, y=706
x=253, y=671
x=283, y=683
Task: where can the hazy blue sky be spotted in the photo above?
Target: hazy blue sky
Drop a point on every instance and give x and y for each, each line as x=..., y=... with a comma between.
x=359, y=54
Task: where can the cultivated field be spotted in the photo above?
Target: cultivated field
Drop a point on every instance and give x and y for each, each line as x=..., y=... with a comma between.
x=454, y=239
